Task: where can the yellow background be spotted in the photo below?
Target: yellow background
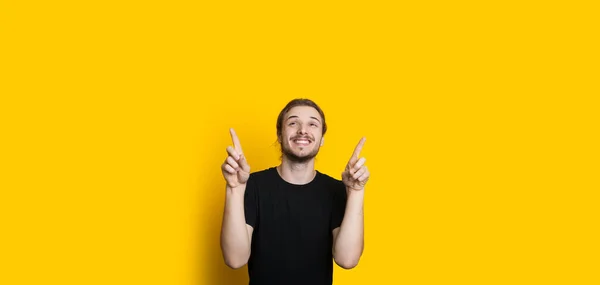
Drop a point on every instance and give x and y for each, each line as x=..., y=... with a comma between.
x=481, y=120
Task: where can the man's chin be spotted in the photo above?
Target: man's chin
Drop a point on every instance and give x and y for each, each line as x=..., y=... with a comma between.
x=299, y=158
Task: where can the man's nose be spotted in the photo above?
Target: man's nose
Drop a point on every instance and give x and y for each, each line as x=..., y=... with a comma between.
x=302, y=130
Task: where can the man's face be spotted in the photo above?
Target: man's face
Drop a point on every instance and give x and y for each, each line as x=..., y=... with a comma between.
x=301, y=134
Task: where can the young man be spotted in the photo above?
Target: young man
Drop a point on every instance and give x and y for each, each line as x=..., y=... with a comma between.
x=288, y=222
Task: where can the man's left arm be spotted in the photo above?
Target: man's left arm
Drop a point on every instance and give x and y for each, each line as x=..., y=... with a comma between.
x=348, y=239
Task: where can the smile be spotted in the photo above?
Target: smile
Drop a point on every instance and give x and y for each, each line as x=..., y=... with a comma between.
x=302, y=142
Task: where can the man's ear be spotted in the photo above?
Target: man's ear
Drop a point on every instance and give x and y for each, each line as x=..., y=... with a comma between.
x=322, y=141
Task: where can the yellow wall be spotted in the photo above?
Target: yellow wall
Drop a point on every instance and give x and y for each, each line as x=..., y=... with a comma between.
x=481, y=123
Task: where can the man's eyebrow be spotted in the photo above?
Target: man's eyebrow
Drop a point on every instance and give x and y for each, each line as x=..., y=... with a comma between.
x=294, y=116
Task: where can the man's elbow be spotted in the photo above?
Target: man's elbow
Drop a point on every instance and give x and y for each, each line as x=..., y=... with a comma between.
x=235, y=263
x=235, y=260
x=347, y=263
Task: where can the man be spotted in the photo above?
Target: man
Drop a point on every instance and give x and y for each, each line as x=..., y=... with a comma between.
x=288, y=222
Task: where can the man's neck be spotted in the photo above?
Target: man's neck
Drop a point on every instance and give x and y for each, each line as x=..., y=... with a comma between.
x=297, y=173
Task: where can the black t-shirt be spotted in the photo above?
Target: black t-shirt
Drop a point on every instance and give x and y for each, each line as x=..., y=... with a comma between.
x=292, y=238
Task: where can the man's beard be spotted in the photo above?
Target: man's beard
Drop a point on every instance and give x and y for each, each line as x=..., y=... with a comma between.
x=298, y=159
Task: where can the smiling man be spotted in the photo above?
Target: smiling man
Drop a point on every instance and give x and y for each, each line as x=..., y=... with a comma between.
x=290, y=222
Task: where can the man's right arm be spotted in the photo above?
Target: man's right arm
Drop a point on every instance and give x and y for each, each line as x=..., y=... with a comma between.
x=236, y=235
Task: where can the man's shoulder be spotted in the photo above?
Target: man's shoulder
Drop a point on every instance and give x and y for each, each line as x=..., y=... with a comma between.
x=263, y=173
x=327, y=177
x=330, y=180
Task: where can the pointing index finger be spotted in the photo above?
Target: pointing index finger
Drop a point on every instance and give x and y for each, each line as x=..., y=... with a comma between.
x=358, y=148
x=236, y=141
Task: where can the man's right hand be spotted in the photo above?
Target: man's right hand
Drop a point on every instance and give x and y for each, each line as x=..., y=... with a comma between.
x=235, y=168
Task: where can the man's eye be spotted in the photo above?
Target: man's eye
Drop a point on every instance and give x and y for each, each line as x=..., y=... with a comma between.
x=292, y=123
x=313, y=125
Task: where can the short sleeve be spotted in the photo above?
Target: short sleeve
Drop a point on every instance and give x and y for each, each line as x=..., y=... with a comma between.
x=251, y=202
x=339, y=205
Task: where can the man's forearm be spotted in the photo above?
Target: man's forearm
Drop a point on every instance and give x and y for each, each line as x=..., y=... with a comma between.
x=235, y=243
x=350, y=240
